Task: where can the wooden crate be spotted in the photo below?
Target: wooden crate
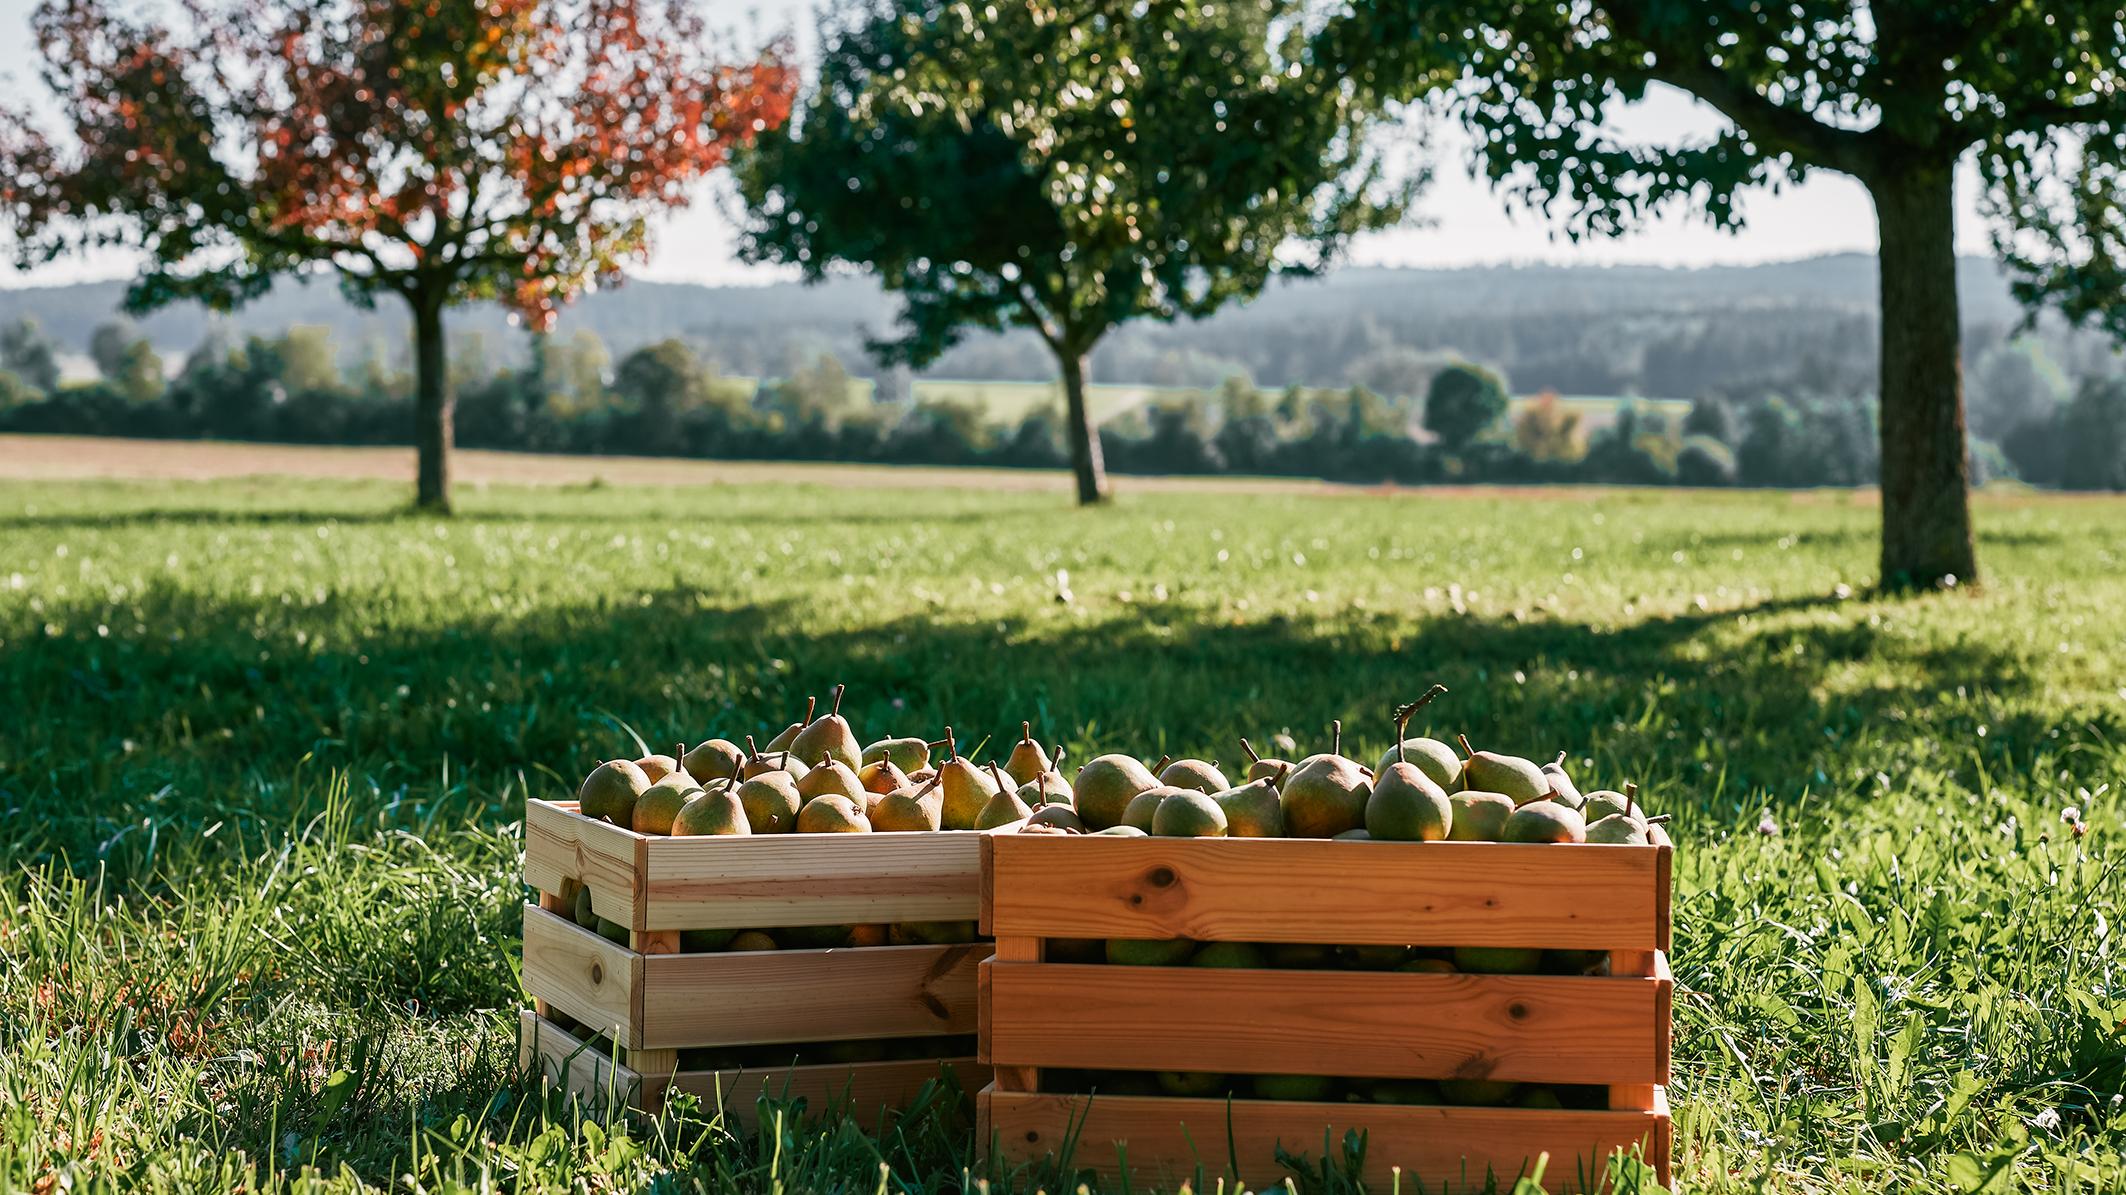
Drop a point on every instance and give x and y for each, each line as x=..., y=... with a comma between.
x=1606, y=1031
x=652, y=1000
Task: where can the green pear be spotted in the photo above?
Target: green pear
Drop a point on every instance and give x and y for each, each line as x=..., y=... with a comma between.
x=1435, y=759
x=661, y=802
x=788, y=734
x=1186, y=813
x=1657, y=835
x=1404, y=1091
x=830, y=736
x=1311, y=1089
x=754, y=939
x=1488, y=771
x=613, y=931
x=1061, y=817
x=586, y=916
x=1546, y=821
x=1261, y=768
x=1406, y=806
x=909, y=755
x=1254, y=810
x=966, y=790
x=1603, y=802
x=1326, y=794
x=714, y=760
x=1498, y=960
x=657, y=767
x=1027, y=760
x=910, y=809
x=1002, y=808
x=1562, y=789
x=760, y=763
x=609, y=793
x=1243, y=955
x=717, y=812
x=832, y=814
x=1619, y=830
x=1477, y=1092
x=703, y=941
x=1048, y=788
x=1106, y=785
x=881, y=776
x=1191, y=1083
x=1196, y=774
x=832, y=776
x=1301, y=956
x=1478, y=816
x=1120, y=832
x=771, y=803
x=1358, y=835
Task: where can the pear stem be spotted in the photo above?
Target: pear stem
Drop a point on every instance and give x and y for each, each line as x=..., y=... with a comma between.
x=1252, y=757
x=837, y=707
x=1559, y=762
x=1057, y=767
x=1026, y=732
x=1658, y=819
x=782, y=761
x=1403, y=713
x=1631, y=796
x=931, y=783
x=752, y=749
x=934, y=744
x=1468, y=752
x=679, y=754
x=1277, y=777
x=811, y=703
x=996, y=777
x=1336, y=737
x=1161, y=765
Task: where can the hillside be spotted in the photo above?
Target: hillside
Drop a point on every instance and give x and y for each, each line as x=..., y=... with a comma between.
x=1585, y=330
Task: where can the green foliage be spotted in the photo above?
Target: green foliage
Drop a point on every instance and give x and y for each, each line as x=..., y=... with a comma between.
x=1464, y=402
x=2093, y=430
x=279, y=935
x=29, y=355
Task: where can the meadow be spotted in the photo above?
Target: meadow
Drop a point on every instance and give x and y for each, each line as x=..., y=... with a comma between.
x=265, y=743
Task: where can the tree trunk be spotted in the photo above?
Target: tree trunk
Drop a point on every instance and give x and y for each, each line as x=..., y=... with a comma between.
x=1926, y=476
x=432, y=436
x=1085, y=460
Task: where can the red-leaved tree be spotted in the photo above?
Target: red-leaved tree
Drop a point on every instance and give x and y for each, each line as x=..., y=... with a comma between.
x=441, y=151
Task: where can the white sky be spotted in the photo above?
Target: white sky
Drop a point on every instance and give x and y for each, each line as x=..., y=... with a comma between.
x=1466, y=222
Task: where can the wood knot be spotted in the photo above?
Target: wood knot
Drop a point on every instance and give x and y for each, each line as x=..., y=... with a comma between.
x=597, y=972
x=1517, y=1011
x=1161, y=877
x=1033, y=1135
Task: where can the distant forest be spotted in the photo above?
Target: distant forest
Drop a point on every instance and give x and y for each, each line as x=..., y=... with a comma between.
x=1651, y=332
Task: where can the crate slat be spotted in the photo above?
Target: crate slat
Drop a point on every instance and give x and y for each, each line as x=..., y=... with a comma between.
x=777, y=880
x=1445, y=1149
x=1359, y=893
x=760, y=997
x=582, y=974
x=1358, y=1024
x=866, y=1092
x=561, y=844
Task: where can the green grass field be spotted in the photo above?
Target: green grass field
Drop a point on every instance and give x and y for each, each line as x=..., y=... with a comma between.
x=264, y=744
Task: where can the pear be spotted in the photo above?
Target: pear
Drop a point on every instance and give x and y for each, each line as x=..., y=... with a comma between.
x=932, y=933
x=1105, y=786
x=714, y=760
x=1027, y=760
x=966, y=789
x=1562, y=789
x=703, y=941
x=760, y=763
x=771, y=803
x=1406, y=804
x=1488, y=771
x=1156, y=952
x=1404, y=1091
x=1144, y=806
x=1195, y=774
x=586, y=915
x=788, y=734
x=1120, y=832
x=718, y=812
x=753, y=939
x=909, y=809
x=1048, y=788
x=1603, y=802
x=660, y=803
x=881, y=776
x=1005, y=807
x=1435, y=759
x=1540, y=1097
x=1430, y=966
x=1619, y=830
x=1546, y=821
x=1191, y=1083
x=830, y=736
x=657, y=767
x=909, y=755
x=1657, y=835
x=1060, y=817
x=609, y=793
x=832, y=814
x=1186, y=813
x=1301, y=956
x=1254, y=810
x=1260, y=768
x=1478, y=816
x=1477, y=1092
x=1374, y=958
x=613, y=931
x=1361, y=834
x=835, y=777
x=1326, y=794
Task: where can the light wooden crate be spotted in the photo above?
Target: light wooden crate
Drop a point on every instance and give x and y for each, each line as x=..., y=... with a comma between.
x=652, y=1001
x=1609, y=1031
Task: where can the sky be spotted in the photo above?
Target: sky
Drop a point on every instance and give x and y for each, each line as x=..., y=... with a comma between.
x=1461, y=220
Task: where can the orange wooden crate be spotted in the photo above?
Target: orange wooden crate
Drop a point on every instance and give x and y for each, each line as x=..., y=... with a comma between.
x=652, y=1001
x=1608, y=1031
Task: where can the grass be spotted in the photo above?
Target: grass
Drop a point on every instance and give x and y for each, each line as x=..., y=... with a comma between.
x=265, y=742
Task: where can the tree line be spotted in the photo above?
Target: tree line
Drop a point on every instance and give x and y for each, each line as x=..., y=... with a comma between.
x=1455, y=425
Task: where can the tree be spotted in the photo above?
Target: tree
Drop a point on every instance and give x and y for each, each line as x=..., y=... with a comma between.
x=2011, y=384
x=443, y=152
x=126, y=360
x=2094, y=428
x=1464, y=402
x=1063, y=168
x=1891, y=92
x=1546, y=431
x=26, y=353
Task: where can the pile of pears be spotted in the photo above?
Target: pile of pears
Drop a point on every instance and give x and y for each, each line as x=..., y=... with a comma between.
x=1422, y=790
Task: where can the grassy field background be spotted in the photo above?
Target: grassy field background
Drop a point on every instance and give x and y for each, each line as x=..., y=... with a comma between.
x=265, y=743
